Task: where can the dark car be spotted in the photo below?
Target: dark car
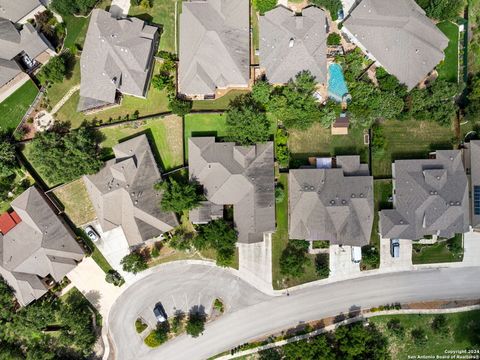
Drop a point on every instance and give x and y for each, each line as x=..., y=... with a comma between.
x=395, y=248
x=160, y=313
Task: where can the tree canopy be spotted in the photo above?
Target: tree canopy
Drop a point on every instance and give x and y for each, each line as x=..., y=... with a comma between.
x=333, y=6
x=180, y=107
x=70, y=7
x=247, y=123
x=221, y=237
x=54, y=71
x=134, y=263
x=179, y=196
x=63, y=157
x=8, y=161
x=195, y=323
x=263, y=6
x=442, y=9
x=294, y=258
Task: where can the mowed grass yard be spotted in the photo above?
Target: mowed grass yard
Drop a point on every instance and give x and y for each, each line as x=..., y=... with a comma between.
x=318, y=141
x=448, y=69
x=220, y=103
x=57, y=91
x=13, y=108
x=280, y=242
x=77, y=205
x=164, y=133
x=213, y=124
x=76, y=31
x=409, y=139
x=156, y=102
x=438, y=252
x=162, y=14
x=463, y=333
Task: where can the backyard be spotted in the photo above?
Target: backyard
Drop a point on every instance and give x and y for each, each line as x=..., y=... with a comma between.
x=409, y=139
x=76, y=31
x=220, y=103
x=461, y=332
x=57, y=91
x=156, y=102
x=162, y=13
x=165, y=133
x=318, y=141
x=77, y=205
x=448, y=69
x=16, y=105
x=212, y=124
x=280, y=242
x=450, y=250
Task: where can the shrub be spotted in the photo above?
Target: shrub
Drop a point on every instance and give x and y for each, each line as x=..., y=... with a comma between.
x=279, y=193
x=322, y=265
x=158, y=336
x=293, y=258
x=134, y=263
x=395, y=326
x=155, y=251
x=333, y=39
x=281, y=148
x=195, y=324
x=218, y=304
x=113, y=277
x=440, y=324
x=177, y=322
x=180, y=107
x=140, y=326
x=419, y=337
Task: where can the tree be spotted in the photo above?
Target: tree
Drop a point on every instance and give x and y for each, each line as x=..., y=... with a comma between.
x=322, y=265
x=318, y=348
x=158, y=336
x=146, y=4
x=162, y=81
x=261, y=93
x=70, y=7
x=282, y=153
x=7, y=304
x=333, y=6
x=295, y=105
x=8, y=161
x=419, y=336
x=179, y=196
x=54, y=71
x=181, y=239
x=333, y=39
x=195, y=324
x=134, y=263
x=113, y=277
x=180, y=107
x=221, y=237
x=293, y=258
x=61, y=157
x=247, y=124
x=263, y=6
x=440, y=325
x=443, y=9
x=270, y=354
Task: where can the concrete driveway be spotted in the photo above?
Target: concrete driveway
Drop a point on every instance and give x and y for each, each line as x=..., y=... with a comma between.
x=341, y=264
x=471, y=244
x=255, y=262
x=403, y=262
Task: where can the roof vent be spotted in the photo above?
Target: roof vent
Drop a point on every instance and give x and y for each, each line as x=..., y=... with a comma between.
x=458, y=202
x=451, y=158
x=332, y=202
x=401, y=222
x=312, y=188
x=452, y=203
x=353, y=196
x=344, y=202
x=361, y=195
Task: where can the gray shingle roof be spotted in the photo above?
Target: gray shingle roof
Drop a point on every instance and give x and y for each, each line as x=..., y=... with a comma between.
x=242, y=176
x=291, y=43
x=214, y=46
x=14, y=41
x=8, y=70
x=40, y=245
x=122, y=193
x=16, y=10
x=117, y=55
x=206, y=212
x=399, y=35
x=430, y=198
x=332, y=204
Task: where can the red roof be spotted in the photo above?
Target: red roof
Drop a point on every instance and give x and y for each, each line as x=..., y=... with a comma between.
x=8, y=222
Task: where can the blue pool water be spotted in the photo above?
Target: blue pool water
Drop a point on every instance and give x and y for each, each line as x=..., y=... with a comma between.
x=337, y=87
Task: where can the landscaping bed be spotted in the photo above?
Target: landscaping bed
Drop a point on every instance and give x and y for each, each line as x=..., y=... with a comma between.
x=450, y=250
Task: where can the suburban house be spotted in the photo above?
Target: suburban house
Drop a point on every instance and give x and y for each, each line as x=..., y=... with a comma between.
x=332, y=201
x=122, y=193
x=430, y=198
x=472, y=167
x=398, y=36
x=117, y=57
x=242, y=176
x=290, y=43
x=36, y=247
x=22, y=51
x=20, y=11
x=214, y=47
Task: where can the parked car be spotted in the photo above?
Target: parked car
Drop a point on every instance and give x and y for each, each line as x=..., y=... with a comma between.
x=395, y=248
x=356, y=254
x=160, y=313
x=92, y=234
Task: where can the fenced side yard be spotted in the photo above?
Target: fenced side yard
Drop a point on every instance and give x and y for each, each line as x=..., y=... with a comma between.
x=13, y=108
x=77, y=205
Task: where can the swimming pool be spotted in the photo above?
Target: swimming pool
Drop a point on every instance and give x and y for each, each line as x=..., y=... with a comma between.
x=337, y=87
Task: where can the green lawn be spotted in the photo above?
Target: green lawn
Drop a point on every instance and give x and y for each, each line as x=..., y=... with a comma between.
x=77, y=204
x=162, y=14
x=409, y=139
x=448, y=69
x=204, y=125
x=76, y=30
x=437, y=253
x=318, y=141
x=164, y=133
x=280, y=242
x=13, y=108
x=220, y=103
x=57, y=91
x=156, y=102
x=463, y=333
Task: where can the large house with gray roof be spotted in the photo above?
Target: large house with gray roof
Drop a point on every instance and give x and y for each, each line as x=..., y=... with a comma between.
x=242, y=176
x=430, y=198
x=398, y=36
x=123, y=193
x=21, y=10
x=22, y=49
x=36, y=247
x=290, y=43
x=117, y=57
x=333, y=201
x=214, y=47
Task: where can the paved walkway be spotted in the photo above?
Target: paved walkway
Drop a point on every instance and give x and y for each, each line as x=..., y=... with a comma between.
x=120, y=8
x=67, y=96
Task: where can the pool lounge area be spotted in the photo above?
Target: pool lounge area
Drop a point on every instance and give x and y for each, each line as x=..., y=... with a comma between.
x=337, y=87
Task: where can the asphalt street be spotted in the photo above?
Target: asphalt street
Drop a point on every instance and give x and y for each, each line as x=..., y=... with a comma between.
x=251, y=314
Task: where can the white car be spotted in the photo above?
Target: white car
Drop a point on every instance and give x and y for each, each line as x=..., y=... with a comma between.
x=91, y=233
